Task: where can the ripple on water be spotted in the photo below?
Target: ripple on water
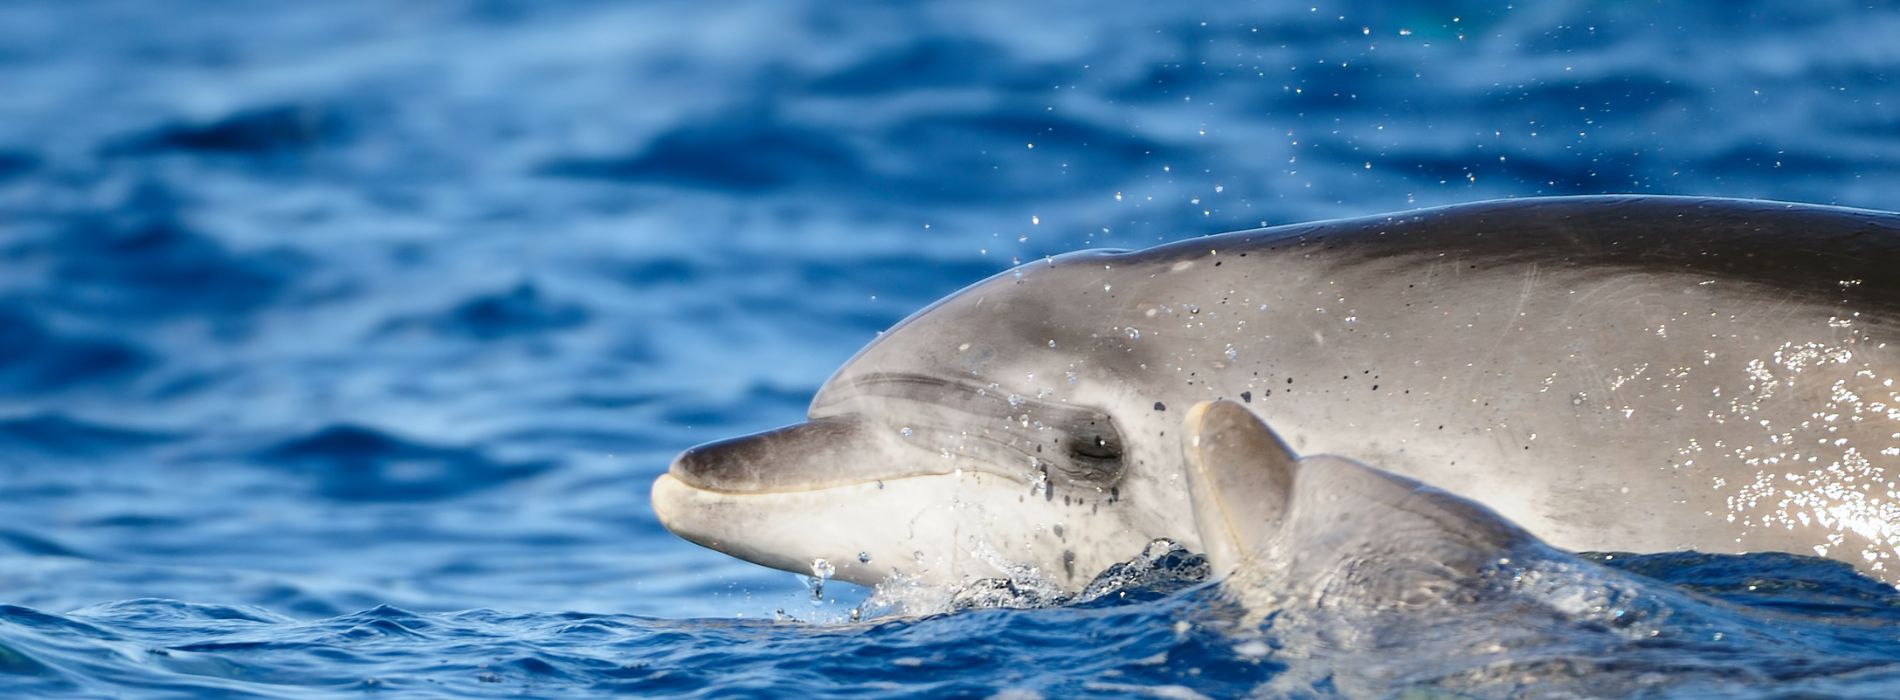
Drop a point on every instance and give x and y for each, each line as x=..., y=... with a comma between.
x=254, y=132
x=357, y=463
x=36, y=358
x=519, y=311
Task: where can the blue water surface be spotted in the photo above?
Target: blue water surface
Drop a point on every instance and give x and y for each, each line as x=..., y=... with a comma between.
x=340, y=341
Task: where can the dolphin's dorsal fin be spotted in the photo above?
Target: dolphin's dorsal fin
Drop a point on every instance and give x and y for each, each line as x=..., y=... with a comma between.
x=1262, y=509
x=1240, y=478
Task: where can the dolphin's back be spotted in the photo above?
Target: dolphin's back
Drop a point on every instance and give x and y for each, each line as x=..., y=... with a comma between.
x=1846, y=255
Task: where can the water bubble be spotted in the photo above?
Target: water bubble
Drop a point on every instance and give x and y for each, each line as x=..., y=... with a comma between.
x=1133, y=334
x=906, y=431
x=1052, y=342
x=1232, y=354
x=1015, y=401
x=821, y=572
x=864, y=557
x=1071, y=376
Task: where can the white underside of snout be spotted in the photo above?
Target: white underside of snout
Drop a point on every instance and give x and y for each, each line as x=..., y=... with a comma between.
x=939, y=529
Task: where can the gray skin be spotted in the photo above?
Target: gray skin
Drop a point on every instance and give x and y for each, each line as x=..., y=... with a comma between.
x=1611, y=373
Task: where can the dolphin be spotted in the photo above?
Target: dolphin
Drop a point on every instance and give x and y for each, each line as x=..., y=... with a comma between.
x=1610, y=373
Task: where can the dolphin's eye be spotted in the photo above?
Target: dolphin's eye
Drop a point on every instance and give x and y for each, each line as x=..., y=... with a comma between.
x=1094, y=450
x=1095, y=440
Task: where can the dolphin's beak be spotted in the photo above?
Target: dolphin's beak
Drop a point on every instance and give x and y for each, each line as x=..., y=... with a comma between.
x=755, y=497
x=818, y=454
x=837, y=490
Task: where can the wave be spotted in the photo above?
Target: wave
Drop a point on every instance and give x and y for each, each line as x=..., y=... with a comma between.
x=357, y=463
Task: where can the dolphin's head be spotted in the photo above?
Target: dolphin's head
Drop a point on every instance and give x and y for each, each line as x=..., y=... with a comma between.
x=993, y=433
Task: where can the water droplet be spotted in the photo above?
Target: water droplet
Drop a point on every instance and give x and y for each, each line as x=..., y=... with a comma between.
x=864, y=557
x=1052, y=343
x=906, y=431
x=821, y=572
x=1015, y=401
x=1232, y=354
x=1133, y=334
x=1070, y=376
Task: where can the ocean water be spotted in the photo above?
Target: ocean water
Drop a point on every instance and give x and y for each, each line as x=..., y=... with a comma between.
x=340, y=342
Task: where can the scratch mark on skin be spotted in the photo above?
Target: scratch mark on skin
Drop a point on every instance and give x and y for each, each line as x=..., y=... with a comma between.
x=1590, y=295
x=1523, y=297
x=1495, y=356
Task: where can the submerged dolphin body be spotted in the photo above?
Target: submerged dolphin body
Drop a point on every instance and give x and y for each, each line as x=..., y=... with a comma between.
x=1612, y=373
